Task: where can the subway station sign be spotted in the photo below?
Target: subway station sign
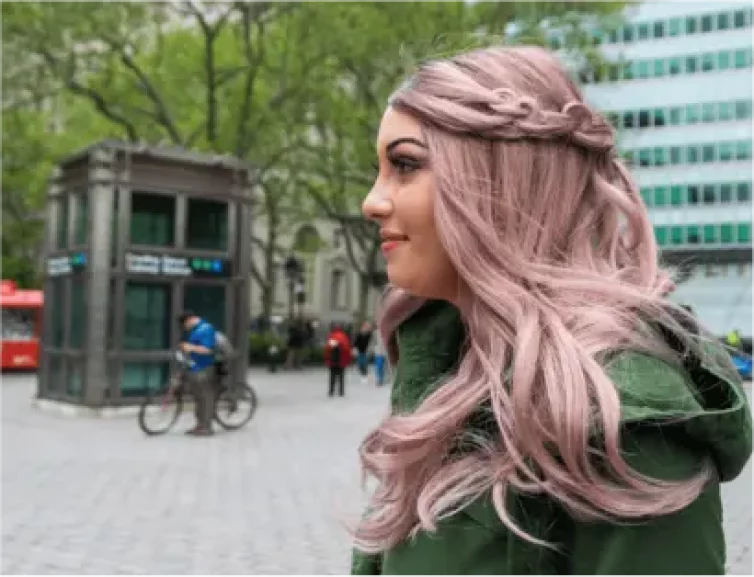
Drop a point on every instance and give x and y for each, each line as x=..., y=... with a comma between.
x=176, y=266
x=65, y=265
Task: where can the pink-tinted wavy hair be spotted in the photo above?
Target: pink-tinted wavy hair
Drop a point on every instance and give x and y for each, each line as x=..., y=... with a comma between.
x=558, y=267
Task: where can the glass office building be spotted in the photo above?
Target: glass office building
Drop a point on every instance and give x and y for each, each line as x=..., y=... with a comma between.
x=677, y=84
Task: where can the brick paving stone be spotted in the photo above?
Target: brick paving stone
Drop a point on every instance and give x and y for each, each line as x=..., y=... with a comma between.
x=95, y=496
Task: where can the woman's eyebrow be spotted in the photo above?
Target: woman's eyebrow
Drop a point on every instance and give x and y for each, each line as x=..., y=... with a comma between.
x=398, y=141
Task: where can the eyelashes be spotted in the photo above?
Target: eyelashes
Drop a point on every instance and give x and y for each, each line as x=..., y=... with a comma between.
x=401, y=164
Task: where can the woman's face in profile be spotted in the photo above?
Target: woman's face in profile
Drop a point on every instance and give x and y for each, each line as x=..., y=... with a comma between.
x=402, y=203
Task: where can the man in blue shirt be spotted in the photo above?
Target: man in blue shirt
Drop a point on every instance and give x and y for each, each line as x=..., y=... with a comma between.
x=199, y=344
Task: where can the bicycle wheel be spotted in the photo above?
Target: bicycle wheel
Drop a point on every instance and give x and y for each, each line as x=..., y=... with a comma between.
x=235, y=406
x=158, y=413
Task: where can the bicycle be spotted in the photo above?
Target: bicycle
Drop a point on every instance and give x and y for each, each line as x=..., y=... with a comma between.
x=229, y=399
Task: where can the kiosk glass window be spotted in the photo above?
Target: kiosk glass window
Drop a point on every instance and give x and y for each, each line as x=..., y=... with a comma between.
x=56, y=310
x=207, y=225
x=207, y=301
x=78, y=314
x=81, y=227
x=152, y=219
x=62, y=226
x=19, y=324
x=148, y=316
x=140, y=378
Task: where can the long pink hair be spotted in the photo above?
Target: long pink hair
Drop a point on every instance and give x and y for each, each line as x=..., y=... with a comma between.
x=558, y=269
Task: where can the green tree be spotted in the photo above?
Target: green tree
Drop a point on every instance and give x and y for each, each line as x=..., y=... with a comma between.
x=209, y=76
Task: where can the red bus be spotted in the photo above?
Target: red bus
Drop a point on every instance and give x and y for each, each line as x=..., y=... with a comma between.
x=22, y=326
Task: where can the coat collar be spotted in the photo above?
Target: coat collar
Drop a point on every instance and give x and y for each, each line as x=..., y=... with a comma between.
x=429, y=347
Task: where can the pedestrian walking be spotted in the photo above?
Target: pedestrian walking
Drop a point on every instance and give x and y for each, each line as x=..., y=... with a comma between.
x=338, y=357
x=361, y=344
x=380, y=359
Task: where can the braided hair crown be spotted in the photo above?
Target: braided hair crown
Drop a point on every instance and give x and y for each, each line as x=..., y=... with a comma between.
x=510, y=93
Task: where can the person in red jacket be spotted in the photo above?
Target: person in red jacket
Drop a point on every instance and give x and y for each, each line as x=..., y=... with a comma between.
x=338, y=355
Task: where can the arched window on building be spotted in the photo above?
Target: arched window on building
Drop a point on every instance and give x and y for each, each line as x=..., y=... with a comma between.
x=306, y=244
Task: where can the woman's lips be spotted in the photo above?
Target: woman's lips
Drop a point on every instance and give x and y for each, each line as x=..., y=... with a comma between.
x=390, y=245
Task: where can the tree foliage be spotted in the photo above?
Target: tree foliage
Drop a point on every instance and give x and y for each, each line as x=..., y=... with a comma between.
x=296, y=89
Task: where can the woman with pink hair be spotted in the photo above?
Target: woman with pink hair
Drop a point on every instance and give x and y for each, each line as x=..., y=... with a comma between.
x=552, y=411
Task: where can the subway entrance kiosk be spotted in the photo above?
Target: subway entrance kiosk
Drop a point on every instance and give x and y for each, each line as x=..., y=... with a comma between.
x=134, y=235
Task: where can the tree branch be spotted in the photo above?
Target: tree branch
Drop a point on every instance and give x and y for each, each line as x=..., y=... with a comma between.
x=162, y=115
x=95, y=97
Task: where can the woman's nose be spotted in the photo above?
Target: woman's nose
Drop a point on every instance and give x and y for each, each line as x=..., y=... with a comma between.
x=376, y=206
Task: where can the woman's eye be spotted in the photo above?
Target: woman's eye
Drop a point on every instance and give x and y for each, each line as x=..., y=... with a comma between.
x=404, y=165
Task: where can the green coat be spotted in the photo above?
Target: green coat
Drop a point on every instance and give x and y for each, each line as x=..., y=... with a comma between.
x=716, y=422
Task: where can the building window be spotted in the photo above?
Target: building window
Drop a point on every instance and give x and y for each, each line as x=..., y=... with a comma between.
x=676, y=235
x=726, y=151
x=708, y=153
x=744, y=233
x=743, y=191
x=81, y=226
x=674, y=66
x=743, y=109
x=207, y=301
x=642, y=70
x=659, y=68
x=677, y=194
x=152, y=219
x=628, y=33
x=726, y=193
x=659, y=29
x=707, y=23
x=645, y=157
x=629, y=120
x=710, y=234
x=62, y=227
x=691, y=64
x=693, y=113
x=79, y=310
x=708, y=112
x=708, y=62
x=676, y=117
x=723, y=21
x=338, y=290
x=675, y=155
x=628, y=70
x=659, y=156
x=644, y=119
x=743, y=150
x=693, y=235
x=207, y=225
x=661, y=196
x=646, y=195
x=658, y=117
x=643, y=31
x=739, y=19
x=708, y=194
x=726, y=233
x=661, y=235
x=148, y=313
x=723, y=60
x=675, y=27
x=741, y=58
x=693, y=194
x=691, y=25
x=725, y=111
x=692, y=154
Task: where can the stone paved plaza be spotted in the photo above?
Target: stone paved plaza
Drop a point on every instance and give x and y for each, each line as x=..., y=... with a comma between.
x=95, y=496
